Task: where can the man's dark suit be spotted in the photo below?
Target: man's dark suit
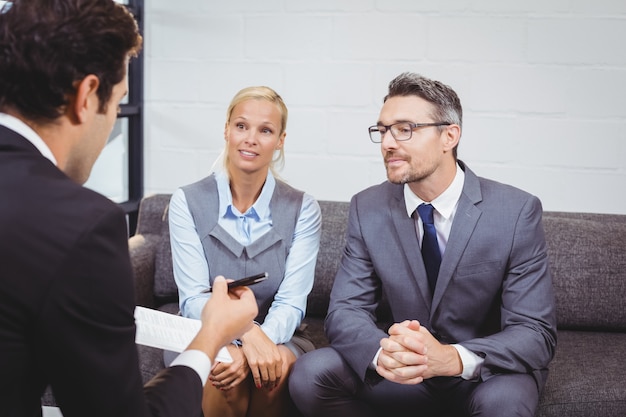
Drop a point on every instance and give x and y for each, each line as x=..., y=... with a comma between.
x=67, y=300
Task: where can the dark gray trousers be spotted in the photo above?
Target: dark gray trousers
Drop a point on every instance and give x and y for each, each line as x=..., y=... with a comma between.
x=323, y=384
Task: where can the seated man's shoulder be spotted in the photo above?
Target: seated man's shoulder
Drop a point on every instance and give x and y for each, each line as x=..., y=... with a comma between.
x=496, y=190
x=378, y=193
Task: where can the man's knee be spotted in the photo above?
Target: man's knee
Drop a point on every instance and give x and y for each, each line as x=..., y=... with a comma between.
x=315, y=369
x=320, y=374
x=506, y=395
x=323, y=384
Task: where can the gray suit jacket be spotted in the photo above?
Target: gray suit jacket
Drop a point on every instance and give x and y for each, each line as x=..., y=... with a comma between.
x=494, y=294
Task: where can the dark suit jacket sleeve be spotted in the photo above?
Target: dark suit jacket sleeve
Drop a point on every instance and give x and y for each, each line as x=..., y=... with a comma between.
x=351, y=320
x=87, y=346
x=527, y=340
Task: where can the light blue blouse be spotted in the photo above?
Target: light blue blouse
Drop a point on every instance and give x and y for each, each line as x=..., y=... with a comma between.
x=191, y=270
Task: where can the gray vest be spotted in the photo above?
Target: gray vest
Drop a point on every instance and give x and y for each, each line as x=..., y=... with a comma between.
x=227, y=257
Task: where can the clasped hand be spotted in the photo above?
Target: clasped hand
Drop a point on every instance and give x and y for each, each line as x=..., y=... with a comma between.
x=411, y=354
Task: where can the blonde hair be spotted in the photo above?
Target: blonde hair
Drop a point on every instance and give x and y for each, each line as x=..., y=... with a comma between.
x=261, y=93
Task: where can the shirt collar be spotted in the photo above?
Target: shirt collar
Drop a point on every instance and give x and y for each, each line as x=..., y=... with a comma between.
x=29, y=134
x=261, y=206
x=444, y=203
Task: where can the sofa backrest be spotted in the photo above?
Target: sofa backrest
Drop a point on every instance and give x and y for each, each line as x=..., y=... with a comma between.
x=587, y=255
x=152, y=219
x=332, y=242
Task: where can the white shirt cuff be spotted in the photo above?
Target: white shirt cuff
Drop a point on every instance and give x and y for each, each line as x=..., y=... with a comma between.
x=374, y=363
x=196, y=360
x=472, y=363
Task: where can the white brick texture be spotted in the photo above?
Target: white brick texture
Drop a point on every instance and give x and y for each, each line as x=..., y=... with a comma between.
x=542, y=82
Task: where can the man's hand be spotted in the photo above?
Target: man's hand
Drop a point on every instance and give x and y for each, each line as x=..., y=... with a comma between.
x=403, y=356
x=264, y=359
x=411, y=354
x=225, y=317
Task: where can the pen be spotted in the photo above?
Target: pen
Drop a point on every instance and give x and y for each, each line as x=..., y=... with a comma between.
x=251, y=280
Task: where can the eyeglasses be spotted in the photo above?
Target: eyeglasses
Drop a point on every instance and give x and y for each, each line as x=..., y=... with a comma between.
x=400, y=131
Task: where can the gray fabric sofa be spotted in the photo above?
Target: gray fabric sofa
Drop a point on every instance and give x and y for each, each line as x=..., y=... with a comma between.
x=588, y=264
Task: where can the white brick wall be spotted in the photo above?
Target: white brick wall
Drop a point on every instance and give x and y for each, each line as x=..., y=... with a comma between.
x=542, y=82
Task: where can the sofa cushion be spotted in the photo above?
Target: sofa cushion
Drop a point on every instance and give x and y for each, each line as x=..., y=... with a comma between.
x=334, y=225
x=142, y=249
x=164, y=284
x=151, y=212
x=153, y=220
x=588, y=266
x=586, y=376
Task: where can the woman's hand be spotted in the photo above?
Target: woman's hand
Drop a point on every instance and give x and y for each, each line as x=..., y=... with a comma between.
x=225, y=376
x=263, y=357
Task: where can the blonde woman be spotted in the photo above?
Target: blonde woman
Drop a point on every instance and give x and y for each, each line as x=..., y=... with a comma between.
x=239, y=221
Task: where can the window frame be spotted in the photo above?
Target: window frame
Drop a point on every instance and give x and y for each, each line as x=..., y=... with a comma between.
x=133, y=110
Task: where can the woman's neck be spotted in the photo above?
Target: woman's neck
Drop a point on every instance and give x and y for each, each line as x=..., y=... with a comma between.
x=246, y=188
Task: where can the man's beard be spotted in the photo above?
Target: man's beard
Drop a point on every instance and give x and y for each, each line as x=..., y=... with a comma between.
x=406, y=178
x=410, y=174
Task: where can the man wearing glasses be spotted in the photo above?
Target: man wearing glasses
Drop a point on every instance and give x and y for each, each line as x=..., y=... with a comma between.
x=461, y=263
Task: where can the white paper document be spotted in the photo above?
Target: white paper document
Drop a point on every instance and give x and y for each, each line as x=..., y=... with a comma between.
x=47, y=411
x=169, y=331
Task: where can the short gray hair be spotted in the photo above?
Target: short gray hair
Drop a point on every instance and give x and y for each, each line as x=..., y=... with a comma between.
x=445, y=101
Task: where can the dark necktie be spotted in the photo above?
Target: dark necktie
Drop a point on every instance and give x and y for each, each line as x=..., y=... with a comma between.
x=430, y=247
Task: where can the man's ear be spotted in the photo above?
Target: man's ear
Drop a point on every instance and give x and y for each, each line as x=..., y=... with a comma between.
x=86, y=98
x=452, y=136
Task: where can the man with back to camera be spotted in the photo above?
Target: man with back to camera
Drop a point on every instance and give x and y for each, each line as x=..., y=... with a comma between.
x=66, y=293
x=461, y=261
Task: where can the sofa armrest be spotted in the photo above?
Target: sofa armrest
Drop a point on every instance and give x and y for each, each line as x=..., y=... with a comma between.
x=142, y=254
